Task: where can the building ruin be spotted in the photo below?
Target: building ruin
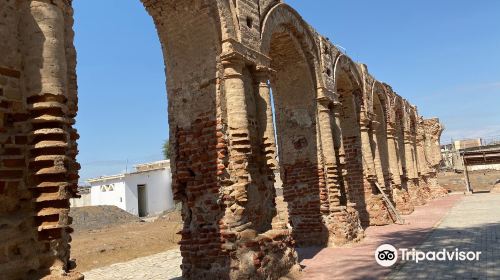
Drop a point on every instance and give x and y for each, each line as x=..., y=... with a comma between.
x=339, y=133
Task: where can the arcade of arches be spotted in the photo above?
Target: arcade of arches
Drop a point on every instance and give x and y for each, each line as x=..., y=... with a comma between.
x=339, y=134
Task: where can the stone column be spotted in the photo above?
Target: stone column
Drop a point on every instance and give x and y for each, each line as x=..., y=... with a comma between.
x=400, y=146
x=53, y=171
x=377, y=157
x=237, y=116
x=368, y=163
x=375, y=206
x=400, y=196
x=409, y=156
x=421, y=160
x=416, y=168
x=244, y=223
x=239, y=138
x=413, y=189
x=432, y=131
x=339, y=142
x=339, y=145
x=393, y=157
x=265, y=116
x=328, y=148
x=343, y=220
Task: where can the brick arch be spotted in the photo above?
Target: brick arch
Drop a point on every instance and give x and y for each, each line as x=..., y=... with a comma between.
x=379, y=93
x=345, y=66
x=347, y=78
x=282, y=17
x=390, y=97
x=348, y=86
x=379, y=131
x=294, y=91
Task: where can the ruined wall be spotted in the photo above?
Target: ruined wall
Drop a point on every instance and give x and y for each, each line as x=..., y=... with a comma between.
x=38, y=149
x=431, y=130
x=340, y=133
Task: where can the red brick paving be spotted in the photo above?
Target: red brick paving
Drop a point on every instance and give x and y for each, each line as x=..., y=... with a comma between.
x=357, y=261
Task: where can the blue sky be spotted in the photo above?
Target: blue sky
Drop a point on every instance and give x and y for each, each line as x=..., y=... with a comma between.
x=443, y=56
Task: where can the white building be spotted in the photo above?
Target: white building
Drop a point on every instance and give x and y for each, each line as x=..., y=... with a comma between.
x=144, y=192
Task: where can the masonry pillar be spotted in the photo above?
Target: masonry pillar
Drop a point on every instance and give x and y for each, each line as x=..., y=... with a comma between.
x=432, y=151
x=400, y=195
x=393, y=157
x=265, y=116
x=237, y=116
x=328, y=148
x=411, y=167
x=409, y=156
x=253, y=250
x=342, y=220
x=375, y=206
x=400, y=148
x=368, y=163
x=423, y=170
x=376, y=126
x=339, y=145
x=266, y=135
x=53, y=171
x=421, y=160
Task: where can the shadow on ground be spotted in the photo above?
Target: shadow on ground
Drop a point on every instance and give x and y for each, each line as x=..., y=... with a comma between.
x=484, y=238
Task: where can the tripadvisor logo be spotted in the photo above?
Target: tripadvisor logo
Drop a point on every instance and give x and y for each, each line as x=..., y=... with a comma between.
x=387, y=255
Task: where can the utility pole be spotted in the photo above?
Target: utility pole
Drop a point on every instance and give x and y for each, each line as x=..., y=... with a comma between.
x=466, y=173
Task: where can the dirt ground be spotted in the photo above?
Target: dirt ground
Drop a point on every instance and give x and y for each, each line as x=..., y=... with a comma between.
x=481, y=181
x=119, y=242
x=99, y=217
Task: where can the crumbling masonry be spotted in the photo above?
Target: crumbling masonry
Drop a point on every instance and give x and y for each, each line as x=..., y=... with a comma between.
x=339, y=133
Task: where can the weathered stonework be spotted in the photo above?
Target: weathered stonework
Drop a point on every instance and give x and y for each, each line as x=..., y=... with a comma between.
x=431, y=130
x=340, y=133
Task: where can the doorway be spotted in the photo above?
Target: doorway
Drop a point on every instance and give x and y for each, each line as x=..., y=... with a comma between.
x=142, y=200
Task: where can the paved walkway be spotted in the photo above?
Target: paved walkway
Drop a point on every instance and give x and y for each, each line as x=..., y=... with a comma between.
x=472, y=224
x=357, y=262
x=163, y=266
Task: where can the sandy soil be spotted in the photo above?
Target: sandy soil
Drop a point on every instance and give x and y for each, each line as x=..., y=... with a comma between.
x=481, y=181
x=93, y=248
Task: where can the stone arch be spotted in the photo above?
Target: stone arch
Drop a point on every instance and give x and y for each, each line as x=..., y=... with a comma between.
x=345, y=76
x=349, y=89
x=293, y=59
x=283, y=17
x=379, y=131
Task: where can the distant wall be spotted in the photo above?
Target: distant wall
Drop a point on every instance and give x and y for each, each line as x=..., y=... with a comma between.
x=483, y=167
x=85, y=200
